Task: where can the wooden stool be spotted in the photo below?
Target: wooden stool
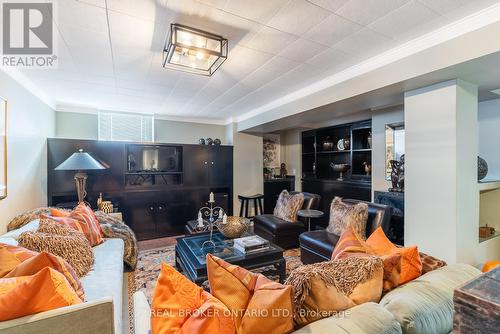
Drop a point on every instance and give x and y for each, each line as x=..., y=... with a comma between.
x=257, y=203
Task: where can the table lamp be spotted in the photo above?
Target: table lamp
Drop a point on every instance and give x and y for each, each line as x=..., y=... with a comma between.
x=80, y=161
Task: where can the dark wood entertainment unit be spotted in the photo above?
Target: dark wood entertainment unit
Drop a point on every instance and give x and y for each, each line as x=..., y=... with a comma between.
x=319, y=150
x=156, y=197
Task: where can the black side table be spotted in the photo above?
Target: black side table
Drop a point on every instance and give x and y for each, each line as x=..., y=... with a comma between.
x=310, y=214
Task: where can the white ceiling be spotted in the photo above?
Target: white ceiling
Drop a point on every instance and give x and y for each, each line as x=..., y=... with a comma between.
x=110, y=51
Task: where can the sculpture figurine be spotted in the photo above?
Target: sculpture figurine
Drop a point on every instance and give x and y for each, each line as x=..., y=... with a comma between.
x=283, y=171
x=398, y=175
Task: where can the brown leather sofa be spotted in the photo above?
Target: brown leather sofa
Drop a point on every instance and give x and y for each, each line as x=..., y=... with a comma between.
x=317, y=246
x=282, y=232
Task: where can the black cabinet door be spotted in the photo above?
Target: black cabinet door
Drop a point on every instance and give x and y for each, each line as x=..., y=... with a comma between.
x=220, y=166
x=196, y=165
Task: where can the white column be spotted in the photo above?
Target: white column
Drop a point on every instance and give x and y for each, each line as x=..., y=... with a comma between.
x=441, y=197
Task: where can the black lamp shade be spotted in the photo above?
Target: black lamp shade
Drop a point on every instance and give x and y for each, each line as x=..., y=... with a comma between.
x=80, y=161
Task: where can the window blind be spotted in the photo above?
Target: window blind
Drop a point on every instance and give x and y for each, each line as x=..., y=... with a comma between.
x=125, y=127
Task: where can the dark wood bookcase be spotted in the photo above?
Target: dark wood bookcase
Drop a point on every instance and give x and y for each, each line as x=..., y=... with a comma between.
x=320, y=148
x=153, y=203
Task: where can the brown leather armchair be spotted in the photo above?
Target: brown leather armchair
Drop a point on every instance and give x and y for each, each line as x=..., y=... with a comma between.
x=281, y=232
x=317, y=246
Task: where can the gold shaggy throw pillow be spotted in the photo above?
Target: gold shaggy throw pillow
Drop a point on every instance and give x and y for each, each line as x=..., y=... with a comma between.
x=342, y=215
x=326, y=288
x=62, y=241
x=288, y=205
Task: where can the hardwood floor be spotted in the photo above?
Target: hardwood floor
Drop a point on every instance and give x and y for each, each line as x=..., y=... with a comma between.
x=157, y=243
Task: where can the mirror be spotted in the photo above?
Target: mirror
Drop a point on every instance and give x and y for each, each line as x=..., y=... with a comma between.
x=394, y=145
x=3, y=148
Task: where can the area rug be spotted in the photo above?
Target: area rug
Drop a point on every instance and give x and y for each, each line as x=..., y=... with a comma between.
x=149, y=263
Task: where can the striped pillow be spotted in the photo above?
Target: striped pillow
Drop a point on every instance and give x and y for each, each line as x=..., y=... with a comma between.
x=85, y=213
x=11, y=256
x=80, y=226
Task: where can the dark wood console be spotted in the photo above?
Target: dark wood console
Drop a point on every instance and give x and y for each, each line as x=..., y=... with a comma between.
x=321, y=148
x=156, y=197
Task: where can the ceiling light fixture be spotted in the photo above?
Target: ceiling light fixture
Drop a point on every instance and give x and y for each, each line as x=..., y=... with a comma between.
x=193, y=50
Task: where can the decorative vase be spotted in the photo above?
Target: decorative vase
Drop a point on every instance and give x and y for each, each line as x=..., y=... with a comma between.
x=482, y=168
x=328, y=144
x=201, y=141
x=217, y=142
x=210, y=141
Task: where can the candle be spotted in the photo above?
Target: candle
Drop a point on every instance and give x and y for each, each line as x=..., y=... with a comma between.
x=224, y=219
x=211, y=198
x=220, y=214
x=200, y=220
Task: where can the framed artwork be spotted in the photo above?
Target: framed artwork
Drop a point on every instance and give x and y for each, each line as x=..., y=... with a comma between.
x=3, y=148
x=271, y=151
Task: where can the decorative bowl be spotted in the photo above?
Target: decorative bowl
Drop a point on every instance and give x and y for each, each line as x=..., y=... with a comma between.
x=340, y=168
x=234, y=227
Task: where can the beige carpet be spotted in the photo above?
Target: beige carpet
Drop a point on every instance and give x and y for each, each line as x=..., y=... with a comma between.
x=149, y=264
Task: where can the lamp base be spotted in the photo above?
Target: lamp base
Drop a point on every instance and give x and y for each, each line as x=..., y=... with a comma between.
x=80, y=182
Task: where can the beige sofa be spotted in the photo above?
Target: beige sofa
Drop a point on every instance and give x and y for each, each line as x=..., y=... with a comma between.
x=424, y=305
x=103, y=286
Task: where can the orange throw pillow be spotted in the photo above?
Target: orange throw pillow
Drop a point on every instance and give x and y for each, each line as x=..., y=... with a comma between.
x=79, y=225
x=257, y=304
x=33, y=265
x=59, y=213
x=85, y=213
x=350, y=245
x=11, y=256
x=411, y=264
x=46, y=290
x=180, y=306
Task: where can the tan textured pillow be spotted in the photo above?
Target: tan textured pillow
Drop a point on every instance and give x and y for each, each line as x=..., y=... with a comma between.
x=288, y=205
x=62, y=241
x=342, y=215
x=323, y=289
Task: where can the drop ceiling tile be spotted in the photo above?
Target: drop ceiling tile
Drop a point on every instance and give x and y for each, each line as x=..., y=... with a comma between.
x=98, y=3
x=330, y=59
x=331, y=5
x=365, y=43
x=130, y=34
x=80, y=15
x=409, y=20
x=302, y=50
x=455, y=9
x=297, y=17
x=270, y=40
x=332, y=30
x=144, y=9
x=366, y=11
x=259, y=11
x=214, y=3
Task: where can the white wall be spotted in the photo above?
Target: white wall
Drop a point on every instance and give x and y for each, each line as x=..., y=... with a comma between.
x=77, y=125
x=380, y=119
x=489, y=139
x=248, y=178
x=291, y=154
x=442, y=197
x=30, y=122
x=489, y=136
x=187, y=132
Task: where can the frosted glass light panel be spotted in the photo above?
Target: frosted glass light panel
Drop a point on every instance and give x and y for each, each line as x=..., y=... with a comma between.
x=3, y=148
x=192, y=50
x=126, y=127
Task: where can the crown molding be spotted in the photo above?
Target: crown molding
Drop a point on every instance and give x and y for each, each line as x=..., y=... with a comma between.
x=455, y=29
